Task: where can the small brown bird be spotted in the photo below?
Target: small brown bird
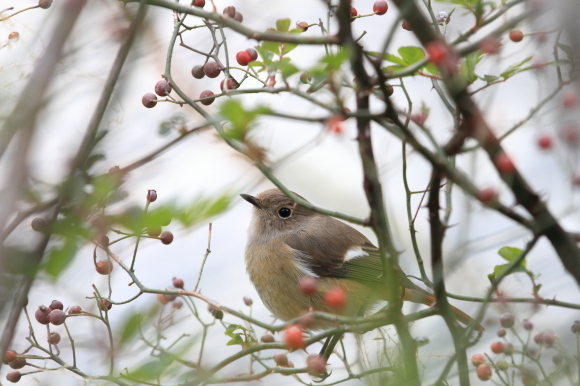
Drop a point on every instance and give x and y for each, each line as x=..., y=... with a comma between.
x=287, y=243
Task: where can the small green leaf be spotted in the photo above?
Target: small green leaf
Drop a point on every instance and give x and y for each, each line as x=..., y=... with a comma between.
x=411, y=55
x=287, y=47
x=489, y=78
x=514, y=68
x=395, y=59
x=273, y=47
x=287, y=70
x=334, y=61
x=283, y=25
x=510, y=253
x=60, y=257
x=237, y=339
x=130, y=327
x=500, y=269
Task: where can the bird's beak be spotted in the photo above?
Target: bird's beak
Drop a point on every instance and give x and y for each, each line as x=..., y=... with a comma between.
x=252, y=200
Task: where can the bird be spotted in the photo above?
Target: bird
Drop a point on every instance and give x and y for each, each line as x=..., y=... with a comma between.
x=288, y=243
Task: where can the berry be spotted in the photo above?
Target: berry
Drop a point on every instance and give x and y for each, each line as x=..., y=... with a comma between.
x=163, y=88
x=206, y=94
x=13, y=37
x=502, y=365
x=17, y=363
x=212, y=69
x=54, y=338
x=170, y=297
x=527, y=324
x=545, y=141
x=281, y=359
x=489, y=45
x=104, y=267
x=557, y=359
x=104, y=241
x=305, y=78
x=230, y=11
x=57, y=317
x=56, y=305
x=529, y=380
x=353, y=12
x=232, y=84
x=569, y=100
x=177, y=304
x=9, y=356
x=504, y=163
x=294, y=339
x=575, y=327
x=335, y=298
x=74, y=310
x=154, y=231
x=442, y=17
x=315, y=365
x=104, y=304
x=41, y=314
x=477, y=359
x=248, y=301
x=166, y=238
x=548, y=338
x=197, y=72
x=177, y=282
x=539, y=338
x=484, y=372
x=308, y=285
x=380, y=7
x=486, y=195
x=501, y=332
x=390, y=89
x=13, y=376
x=243, y=58
x=437, y=51
x=302, y=25
x=151, y=195
x=238, y=17
x=38, y=224
x=44, y=4
x=149, y=100
x=497, y=347
x=199, y=3
x=306, y=321
x=268, y=338
x=507, y=320
x=162, y=299
x=406, y=25
x=508, y=349
x=516, y=35
x=253, y=53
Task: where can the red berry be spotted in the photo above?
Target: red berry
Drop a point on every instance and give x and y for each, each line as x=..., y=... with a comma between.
x=253, y=53
x=17, y=363
x=527, y=324
x=248, y=301
x=54, y=338
x=74, y=310
x=489, y=45
x=41, y=314
x=232, y=84
x=484, y=372
x=501, y=332
x=504, y=163
x=569, y=100
x=166, y=238
x=238, y=17
x=154, y=231
x=197, y=72
x=212, y=69
x=437, y=51
x=9, y=356
x=206, y=94
x=13, y=37
x=353, y=12
x=477, y=359
x=308, y=285
x=507, y=320
x=104, y=267
x=44, y=4
x=56, y=305
x=268, y=338
x=149, y=100
x=163, y=88
x=545, y=141
x=14, y=376
x=104, y=304
x=294, y=339
x=199, y=3
x=497, y=347
x=380, y=7
x=177, y=282
x=162, y=299
x=302, y=25
x=335, y=298
x=516, y=35
x=486, y=195
x=230, y=11
x=243, y=58
x=281, y=359
x=315, y=365
x=38, y=224
x=406, y=25
x=57, y=317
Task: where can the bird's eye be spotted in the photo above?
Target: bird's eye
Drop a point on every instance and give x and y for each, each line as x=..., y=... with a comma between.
x=285, y=212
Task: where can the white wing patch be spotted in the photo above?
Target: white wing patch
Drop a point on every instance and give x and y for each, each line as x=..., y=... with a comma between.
x=354, y=253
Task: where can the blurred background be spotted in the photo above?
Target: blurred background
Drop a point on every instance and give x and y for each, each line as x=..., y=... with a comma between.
x=318, y=164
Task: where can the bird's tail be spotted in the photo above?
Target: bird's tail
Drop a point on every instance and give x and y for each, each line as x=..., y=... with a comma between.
x=419, y=295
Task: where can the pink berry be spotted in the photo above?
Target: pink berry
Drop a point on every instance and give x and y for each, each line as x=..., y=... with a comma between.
x=406, y=25
x=336, y=298
x=177, y=282
x=569, y=100
x=477, y=359
x=104, y=267
x=315, y=365
x=74, y=310
x=484, y=372
x=516, y=35
x=267, y=338
x=302, y=25
x=293, y=338
x=230, y=11
x=248, y=301
x=104, y=304
x=232, y=84
x=38, y=224
x=57, y=317
x=54, y=338
x=56, y=305
x=437, y=51
x=151, y=195
x=238, y=17
x=206, y=94
x=380, y=7
x=163, y=88
x=308, y=285
x=504, y=163
x=281, y=359
x=197, y=72
x=545, y=141
x=497, y=347
x=166, y=238
x=253, y=53
x=44, y=4
x=501, y=332
x=41, y=314
x=13, y=376
x=487, y=195
x=17, y=363
x=527, y=324
x=149, y=100
x=507, y=320
x=212, y=69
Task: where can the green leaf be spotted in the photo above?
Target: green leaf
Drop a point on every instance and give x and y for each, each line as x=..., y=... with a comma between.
x=203, y=208
x=468, y=67
x=283, y=25
x=273, y=47
x=489, y=78
x=395, y=59
x=432, y=69
x=153, y=369
x=130, y=327
x=500, y=269
x=510, y=253
x=60, y=257
x=265, y=54
x=334, y=61
x=237, y=339
x=514, y=68
x=287, y=47
x=287, y=70
x=411, y=55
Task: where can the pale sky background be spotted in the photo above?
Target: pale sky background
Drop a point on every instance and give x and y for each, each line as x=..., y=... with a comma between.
x=329, y=174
